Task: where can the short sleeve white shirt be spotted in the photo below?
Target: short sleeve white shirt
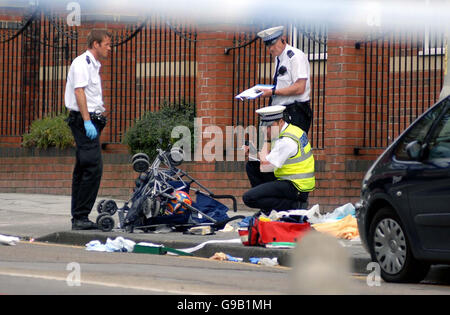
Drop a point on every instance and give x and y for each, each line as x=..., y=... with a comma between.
x=85, y=73
x=283, y=149
x=297, y=67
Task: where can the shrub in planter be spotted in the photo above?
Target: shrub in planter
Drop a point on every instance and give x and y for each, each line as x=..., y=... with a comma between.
x=154, y=129
x=49, y=132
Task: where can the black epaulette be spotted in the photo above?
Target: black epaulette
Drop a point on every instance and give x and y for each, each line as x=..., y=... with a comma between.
x=290, y=53
x=88, y=60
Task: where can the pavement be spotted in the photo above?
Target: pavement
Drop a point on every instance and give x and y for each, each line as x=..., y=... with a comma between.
x=46, y=218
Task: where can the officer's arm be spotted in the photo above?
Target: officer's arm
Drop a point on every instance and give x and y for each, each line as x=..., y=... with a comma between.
x=297, y=88
x=82, y=103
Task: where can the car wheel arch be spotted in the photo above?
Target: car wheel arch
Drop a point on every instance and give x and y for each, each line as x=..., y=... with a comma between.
x=380, y=202
x=375, y=206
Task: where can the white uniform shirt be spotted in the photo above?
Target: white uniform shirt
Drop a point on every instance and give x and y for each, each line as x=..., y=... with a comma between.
x=283, y=149
x=297, y=67
x=85, y=73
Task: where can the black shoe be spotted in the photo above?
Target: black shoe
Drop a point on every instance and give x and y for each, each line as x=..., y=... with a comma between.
x=83, y=224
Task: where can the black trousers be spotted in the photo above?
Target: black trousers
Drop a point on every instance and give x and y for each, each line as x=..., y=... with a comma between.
x=268, y=193
x=88, y=170
x=299, y=114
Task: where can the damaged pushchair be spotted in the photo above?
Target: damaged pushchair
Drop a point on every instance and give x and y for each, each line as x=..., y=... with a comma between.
x=161, y=197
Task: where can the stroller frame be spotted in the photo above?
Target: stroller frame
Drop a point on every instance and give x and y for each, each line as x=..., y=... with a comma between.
x=152, y=193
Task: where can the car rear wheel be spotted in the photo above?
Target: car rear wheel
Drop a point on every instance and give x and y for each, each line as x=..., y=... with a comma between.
x=390, y=248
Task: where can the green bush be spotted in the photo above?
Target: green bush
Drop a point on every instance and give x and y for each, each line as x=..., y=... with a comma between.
x=49, y=132
x=145, y=135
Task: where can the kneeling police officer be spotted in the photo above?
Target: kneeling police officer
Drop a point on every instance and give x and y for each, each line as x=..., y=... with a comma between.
x=283, y=178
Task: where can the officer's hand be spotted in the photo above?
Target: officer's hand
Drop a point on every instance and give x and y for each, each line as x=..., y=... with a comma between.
x=246, y=149
x=91, y=132
x=266, y=92
x=265, y=166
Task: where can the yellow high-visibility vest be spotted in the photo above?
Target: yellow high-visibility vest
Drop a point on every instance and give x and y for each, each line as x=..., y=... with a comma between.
x=299, y=169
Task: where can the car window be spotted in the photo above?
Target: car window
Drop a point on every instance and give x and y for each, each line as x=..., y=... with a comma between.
x=439, y=145
x=419, y=131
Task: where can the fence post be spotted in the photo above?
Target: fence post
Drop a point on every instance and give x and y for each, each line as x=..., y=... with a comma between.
x=30, y=75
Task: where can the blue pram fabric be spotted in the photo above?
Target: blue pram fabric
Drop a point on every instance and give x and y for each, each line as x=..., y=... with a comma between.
x=203, y=202
x=210, y=207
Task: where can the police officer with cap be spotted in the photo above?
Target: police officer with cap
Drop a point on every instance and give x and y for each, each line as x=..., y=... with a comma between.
x=84, y=99
x=291, y=79
x=283, y=178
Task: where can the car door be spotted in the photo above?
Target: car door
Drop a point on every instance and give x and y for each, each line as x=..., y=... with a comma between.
x=429, y=187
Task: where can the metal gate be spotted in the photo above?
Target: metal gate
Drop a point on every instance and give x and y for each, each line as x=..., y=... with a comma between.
x=152, y=64
x=252, y=64
x=35, y=56
x=403, y=77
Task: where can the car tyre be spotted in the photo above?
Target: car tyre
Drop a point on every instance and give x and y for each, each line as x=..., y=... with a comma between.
x=390, y=248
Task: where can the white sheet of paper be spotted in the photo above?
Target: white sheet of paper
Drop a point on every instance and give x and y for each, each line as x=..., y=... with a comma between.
x=253, y=92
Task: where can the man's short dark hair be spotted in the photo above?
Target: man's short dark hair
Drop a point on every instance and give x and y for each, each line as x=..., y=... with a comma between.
x=98, y=36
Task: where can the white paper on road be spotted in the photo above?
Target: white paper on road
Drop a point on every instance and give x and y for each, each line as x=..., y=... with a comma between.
x=9, y=240
x=200, y=246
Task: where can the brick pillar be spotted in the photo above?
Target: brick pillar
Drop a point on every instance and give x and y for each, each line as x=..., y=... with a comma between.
x=340, y=182
x=214, y=84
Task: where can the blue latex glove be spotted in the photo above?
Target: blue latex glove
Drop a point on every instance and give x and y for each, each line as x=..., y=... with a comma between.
x=91, y=132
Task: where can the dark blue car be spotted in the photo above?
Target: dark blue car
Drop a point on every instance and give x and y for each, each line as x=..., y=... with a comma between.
x=404, y=213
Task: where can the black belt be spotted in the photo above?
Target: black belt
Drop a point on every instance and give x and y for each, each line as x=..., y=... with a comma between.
x=95, y=117
x=299, y=103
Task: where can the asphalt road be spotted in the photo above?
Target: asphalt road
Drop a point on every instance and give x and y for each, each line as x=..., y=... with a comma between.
x=36, y=268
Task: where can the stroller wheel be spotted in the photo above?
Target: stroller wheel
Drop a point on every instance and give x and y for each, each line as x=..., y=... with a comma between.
x=151, y=207
x=140, y=156
x=141, y=165
x=101, y=215
x=105, y=222
x=110, y=207
x=100, y=206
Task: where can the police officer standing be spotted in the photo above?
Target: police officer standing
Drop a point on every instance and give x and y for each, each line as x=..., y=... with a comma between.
x=283, y=178
x=84, y=99
x=291, y=78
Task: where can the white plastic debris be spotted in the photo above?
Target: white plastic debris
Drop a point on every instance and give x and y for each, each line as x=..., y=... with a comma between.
x=339, y=213
x=9, y=240
x=118, y=245
x=265, y=261
x=312, y=214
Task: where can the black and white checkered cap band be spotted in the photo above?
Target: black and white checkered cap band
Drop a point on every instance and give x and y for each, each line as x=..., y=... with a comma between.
x=271, y=118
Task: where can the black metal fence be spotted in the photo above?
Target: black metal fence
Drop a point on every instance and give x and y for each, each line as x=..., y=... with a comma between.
x=35, y=55
x=151, y=64
x=403, y=77
x=253, y=65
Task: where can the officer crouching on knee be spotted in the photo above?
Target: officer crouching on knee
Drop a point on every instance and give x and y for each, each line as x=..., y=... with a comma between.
x=284, y=174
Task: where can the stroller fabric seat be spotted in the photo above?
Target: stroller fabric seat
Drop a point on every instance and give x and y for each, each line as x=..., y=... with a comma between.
x=210, y=207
